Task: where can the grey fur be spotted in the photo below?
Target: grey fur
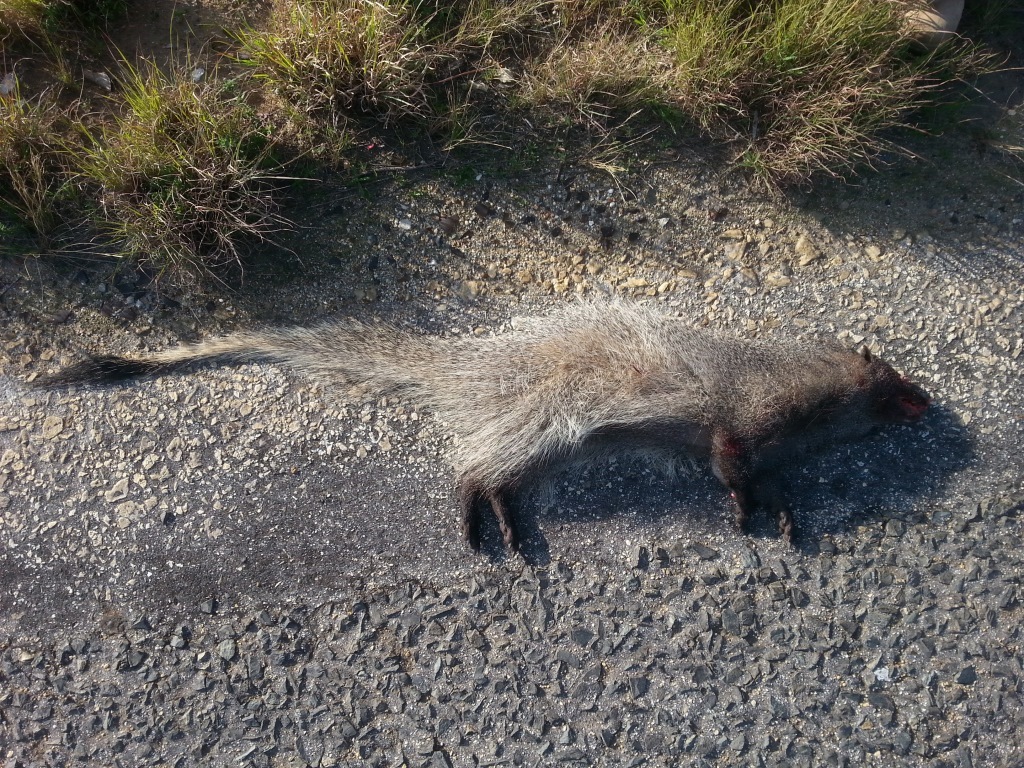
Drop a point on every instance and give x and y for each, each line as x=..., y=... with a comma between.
x=592, y=379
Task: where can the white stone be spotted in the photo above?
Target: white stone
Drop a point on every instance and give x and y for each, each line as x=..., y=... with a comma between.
x=935, y=25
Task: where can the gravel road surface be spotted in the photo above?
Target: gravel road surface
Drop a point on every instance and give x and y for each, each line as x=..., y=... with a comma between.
x=238, y=566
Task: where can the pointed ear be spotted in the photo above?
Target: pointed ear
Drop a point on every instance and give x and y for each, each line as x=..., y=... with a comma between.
x=865, y=353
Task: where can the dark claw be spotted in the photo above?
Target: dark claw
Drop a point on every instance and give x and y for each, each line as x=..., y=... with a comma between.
x=470, y=499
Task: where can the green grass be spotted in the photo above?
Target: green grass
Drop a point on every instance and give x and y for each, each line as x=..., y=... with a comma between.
x=34, y=157
x=181, y=174
x=799, y=87
x=399, y=64
x=22, y=19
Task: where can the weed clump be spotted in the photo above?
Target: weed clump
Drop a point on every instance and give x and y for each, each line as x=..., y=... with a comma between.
x=34, y=159
x=336, y=63
x=178, y=171
x=799, y=87
x=183, y=174
x=343, y=55
x=804, y=88
x=41, y=21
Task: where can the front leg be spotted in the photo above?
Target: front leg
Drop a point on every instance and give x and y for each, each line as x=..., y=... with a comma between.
x=728, y=462
x=772, y=491
x=732, y=464
x=742, y=508
x=768, y=490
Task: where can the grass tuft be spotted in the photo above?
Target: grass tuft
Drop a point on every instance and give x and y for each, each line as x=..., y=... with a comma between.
x=183, y=174
x=34, y=171
x=805, y=86
x=21, y=19
x=339, y=56
x=604, y=73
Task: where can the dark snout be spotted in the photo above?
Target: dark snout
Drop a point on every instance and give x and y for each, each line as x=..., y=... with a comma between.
x=911, y=403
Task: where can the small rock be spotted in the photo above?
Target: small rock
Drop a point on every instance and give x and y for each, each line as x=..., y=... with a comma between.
x=638, y=686
x=53, y=426
x=118, y=492
x=102, y=79
x=731, y=622
x=468, y=289
x=640, y=557
x=935, y=23
x=735, y=251
x=449, y=225
x=135, y=659
x=705, y=553
x=806, y=251
x=227, y=649
x=777, y=280
x=582, y=636
x=967, y=676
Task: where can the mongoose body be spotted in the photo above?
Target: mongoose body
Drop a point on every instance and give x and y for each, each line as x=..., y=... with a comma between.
x=589, y=380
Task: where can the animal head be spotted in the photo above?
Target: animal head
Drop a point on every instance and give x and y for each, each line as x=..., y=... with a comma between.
x=896, y=399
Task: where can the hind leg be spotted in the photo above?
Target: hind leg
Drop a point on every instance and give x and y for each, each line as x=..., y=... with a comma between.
x=469, y=502
x=742, y=508
x=471, y=498
x=506, y=521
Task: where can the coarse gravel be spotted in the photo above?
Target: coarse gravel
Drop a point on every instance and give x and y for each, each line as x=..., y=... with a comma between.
x=238, y=566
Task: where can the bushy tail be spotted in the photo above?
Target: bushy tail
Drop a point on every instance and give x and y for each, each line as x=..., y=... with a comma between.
x=380, y=357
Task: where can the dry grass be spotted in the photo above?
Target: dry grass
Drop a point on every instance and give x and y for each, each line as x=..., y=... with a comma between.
x=804, y=88
x=21, y=19
x=179, y=175
x=799, y=87
x=182, y=175
x=340, y=56
x=579, y=80
x=34, y=173
x=27, y=21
